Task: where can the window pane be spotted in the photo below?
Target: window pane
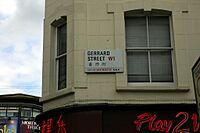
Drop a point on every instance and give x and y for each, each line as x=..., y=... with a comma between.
x=26, y=112
x=61, y=39
x=159, y=33
x=136, y=33
x=12, y=112
x=2, y=111
x=62, y=72
x=137, y=67
x=161, y=66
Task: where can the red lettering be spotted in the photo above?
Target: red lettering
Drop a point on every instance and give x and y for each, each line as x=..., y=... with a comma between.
x=46, y=126
x=153, y=124
x=159, y=126
x=164, y=125
x=49, y=124
x=185, y=118
x=61, y=125
x=168, y=126
x=143, y=118
x=43, y=127
x=195, y=124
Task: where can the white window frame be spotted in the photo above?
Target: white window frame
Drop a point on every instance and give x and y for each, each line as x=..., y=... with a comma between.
x=148, y=49
x=56, y=24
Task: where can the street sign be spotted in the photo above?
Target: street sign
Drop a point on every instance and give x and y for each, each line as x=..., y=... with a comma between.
x=101, y=61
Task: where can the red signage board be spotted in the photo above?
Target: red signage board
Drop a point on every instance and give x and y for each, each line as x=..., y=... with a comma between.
x=160, y=119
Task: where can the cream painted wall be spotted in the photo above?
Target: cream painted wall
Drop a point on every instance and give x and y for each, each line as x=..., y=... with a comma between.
x=99, y=24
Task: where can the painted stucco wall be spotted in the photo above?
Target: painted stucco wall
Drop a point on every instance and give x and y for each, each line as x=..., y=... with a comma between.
x=99, y=25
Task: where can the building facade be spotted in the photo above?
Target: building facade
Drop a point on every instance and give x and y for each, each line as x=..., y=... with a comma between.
x=119, y=62
x=18, y=112
x=196, y=80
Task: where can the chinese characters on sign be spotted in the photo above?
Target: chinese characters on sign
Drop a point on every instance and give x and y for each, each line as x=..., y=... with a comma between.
x=61, y=125
x=103, y=61
x=48, y=126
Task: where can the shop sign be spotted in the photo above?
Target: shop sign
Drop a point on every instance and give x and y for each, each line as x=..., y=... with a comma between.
x=98, y=61
x=196, y=80
x=28, y=126
x=54, y=125
x=118, y=121
x=8, y=126
x=168, y=126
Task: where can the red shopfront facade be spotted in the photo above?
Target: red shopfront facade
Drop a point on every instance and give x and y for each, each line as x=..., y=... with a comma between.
x=120, y=119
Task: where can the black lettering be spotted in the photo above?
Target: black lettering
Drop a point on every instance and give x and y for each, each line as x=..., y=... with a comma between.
x=88, y=53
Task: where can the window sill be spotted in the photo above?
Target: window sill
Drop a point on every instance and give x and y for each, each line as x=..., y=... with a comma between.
x=152, y=88
x=58, y=94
